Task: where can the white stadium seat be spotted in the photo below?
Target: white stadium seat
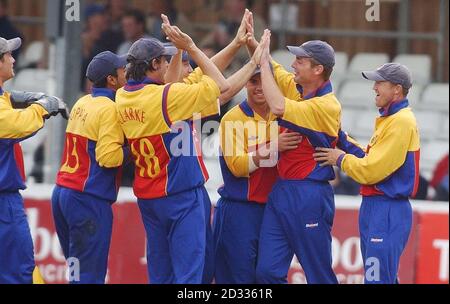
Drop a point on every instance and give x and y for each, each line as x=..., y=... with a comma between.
x=33, y=80
x=348, y=119
x=431, y=153
x=364, y=125
x=357, y=94
x=285, y=58
x=419, y=65
x=340, y=69
x=365, y=62
x=32, y=55
x=436, y=97
x=415, y=95
x=429, y=124
x=444, y=133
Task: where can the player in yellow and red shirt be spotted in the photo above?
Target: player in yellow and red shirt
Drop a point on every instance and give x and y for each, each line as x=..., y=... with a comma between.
x=88, y=181
x=388, y=172
x=17, y=264
x=300, y=211
x=169, y=176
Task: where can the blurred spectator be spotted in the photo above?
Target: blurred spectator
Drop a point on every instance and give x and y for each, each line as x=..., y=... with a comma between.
x=115, y=9
x=112, y=37
x=227, y=27
x=96, y=24
x=439, y=181
x=344, y=185
x=7, y=29
x=167, y=7
x=133, y=27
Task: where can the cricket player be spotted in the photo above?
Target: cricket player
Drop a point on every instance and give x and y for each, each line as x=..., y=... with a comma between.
x=180, y=70
x=88, y=181
x=388, y=173
x=300, y=211
x=17, y=264
x=169, y=174
x=245, y=130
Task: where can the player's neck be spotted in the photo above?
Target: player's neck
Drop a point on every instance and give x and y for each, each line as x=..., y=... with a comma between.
x=262, y=110
x=312, y=87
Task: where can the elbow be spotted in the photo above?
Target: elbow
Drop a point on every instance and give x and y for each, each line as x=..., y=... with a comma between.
x=110, y=162
x=278, y=110
x=224, y=88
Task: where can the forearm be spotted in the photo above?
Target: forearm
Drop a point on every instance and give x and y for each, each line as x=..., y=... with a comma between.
x=174, y=72
x=208, y=68
x=252, y=46
x=238, y=81
x=223, y=59
x=273, y=95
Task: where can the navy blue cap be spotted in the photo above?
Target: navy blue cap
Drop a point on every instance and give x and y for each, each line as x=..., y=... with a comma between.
x=103, y=65
x=319, y=50
x=185, y=55
x=147, y=49
x=393, y=72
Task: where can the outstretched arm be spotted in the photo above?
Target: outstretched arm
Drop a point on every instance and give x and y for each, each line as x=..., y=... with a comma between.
x=183, y=41
x=274, y=97
x=224, y=58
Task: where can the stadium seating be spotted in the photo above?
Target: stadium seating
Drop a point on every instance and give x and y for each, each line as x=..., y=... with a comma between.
x=364, y=62
x=33, y=80
x=357, y=94
x=32, y=55
x=435, y=97
x=429, y=124
x=419, y=65
x=340, y=69
x=431, y=153
x=284, y=57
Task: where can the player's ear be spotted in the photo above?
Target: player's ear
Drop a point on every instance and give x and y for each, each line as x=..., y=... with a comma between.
x=155, y=64
x=112, y=81
x=319, y=69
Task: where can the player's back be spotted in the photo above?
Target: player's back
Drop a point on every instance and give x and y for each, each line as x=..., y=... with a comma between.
x=93, y=150
x=156, y=120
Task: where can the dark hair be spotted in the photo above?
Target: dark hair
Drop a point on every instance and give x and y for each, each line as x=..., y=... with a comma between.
x=1, y=56
x=326, y=74
x=138, y=16
x=103, y=83
x=405, y=92
x=137, y=69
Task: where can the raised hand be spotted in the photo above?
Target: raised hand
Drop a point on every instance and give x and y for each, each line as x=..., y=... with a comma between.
x=252, y=43
x=265, y=45
x=179, y=39
x=243, y=35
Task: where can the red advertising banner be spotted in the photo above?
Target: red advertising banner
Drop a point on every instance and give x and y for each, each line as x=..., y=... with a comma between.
x=425, y=260
x=432, y=264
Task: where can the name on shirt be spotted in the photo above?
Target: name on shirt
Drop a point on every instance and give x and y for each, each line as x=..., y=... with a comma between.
x=131, y=114
x=79, y=114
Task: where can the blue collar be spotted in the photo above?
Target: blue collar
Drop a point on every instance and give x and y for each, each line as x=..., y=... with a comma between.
x=394, y=107
x=1, y=91
x=104, y=92
x=324, y=89
x=133, y=85
x=245, y=107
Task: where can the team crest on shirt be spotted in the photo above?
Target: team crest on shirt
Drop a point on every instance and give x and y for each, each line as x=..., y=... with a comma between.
x=373, y=140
